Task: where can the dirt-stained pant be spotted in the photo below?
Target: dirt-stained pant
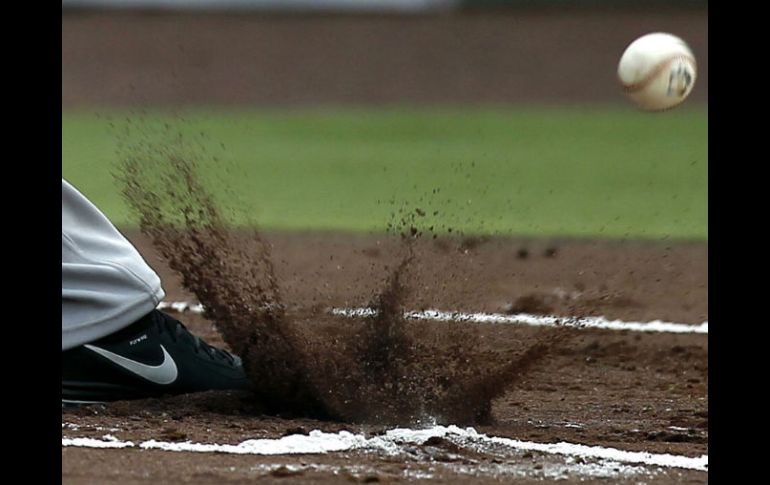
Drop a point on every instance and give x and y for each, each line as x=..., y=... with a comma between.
x=105, y=283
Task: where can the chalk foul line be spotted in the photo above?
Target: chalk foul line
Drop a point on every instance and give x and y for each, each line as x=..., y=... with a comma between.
x=536, y=320
x=656, y=326
x=395, y=441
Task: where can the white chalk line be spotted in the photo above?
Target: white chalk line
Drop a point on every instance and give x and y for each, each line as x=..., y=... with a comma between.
x=393, y=443
x=656, y=326
x=181, y=306
x=107, y=441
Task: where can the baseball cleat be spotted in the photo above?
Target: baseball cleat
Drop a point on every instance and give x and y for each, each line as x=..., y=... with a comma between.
x=153, y=357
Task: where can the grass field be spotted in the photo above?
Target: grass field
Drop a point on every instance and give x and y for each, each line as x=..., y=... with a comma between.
x=532, y=172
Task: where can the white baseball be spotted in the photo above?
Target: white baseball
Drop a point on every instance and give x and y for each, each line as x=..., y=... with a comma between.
x=657, y=71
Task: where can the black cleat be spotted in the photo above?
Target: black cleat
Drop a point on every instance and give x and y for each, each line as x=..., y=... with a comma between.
x=153, y=357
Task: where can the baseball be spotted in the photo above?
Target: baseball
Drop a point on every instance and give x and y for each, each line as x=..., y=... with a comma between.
x=657, y=71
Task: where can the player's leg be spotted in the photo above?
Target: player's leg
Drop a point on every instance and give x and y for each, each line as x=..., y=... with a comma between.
x=115, y=344
x=106, y=284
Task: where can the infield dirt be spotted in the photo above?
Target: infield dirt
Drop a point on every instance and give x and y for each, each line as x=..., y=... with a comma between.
x=516, y=57
x=630, y=390
x=270, y=296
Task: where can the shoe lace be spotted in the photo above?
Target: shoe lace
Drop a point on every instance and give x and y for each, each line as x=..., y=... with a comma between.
x=176, y=329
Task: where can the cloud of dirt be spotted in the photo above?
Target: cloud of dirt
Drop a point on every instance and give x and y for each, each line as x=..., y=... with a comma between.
x=382, y=369
x=231, y=272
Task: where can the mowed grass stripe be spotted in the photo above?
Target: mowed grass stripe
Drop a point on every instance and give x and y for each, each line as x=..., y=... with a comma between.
x=589, y=172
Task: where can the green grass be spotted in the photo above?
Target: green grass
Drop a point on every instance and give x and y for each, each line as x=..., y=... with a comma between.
x=591, y=172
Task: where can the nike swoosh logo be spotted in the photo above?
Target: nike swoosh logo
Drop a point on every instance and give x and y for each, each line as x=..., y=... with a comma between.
x=165, y=373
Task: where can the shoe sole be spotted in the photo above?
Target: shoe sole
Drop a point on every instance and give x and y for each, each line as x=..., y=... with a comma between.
x=79, y=393
x=72, y=403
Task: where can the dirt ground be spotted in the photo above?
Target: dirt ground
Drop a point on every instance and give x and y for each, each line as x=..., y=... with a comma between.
x=629, y=390
x=554, y=57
